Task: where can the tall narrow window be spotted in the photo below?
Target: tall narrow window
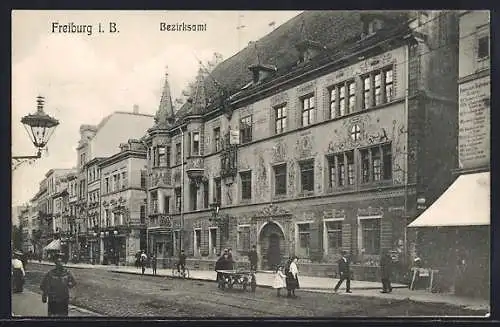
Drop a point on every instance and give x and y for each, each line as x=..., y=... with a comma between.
x=377, y=163
x=341, y=169
x=178, y=202
x=365, y=165
x=334, y=233
x=387, y=161
x=333, y=102
x=142, y=214
x=161, y=156
x=246, y=185
x=166, y=204
x=308, y=110
x=350, y=167
x=280, y=179
x=371, y=235
x=332, y=173
x=307, y=175
x=217, y=141
x=205, y=195
x=483, y=47
x=389, y=90
x=351, y=101
x=342, y=101
x=218, y=190
x=196, y=144
x=143, y=179
x=304, y=239
x=193, y=193
x=246, y=129
x=168, y=154
x=378, y=89
x=280, y=119
x=124, y=180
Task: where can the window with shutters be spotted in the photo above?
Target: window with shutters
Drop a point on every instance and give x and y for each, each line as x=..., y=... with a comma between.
x=370, y=235
x=243, y=238
x=304, y=239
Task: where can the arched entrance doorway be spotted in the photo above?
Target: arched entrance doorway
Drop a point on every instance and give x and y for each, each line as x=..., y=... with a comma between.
x=272, y=245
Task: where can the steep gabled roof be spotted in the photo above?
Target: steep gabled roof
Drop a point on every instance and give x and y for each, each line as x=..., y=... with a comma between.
x=336, y=30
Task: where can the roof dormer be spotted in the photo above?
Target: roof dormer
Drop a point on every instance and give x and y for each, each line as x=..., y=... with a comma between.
x=371, y=24
x=308, y=49
x=260, y=72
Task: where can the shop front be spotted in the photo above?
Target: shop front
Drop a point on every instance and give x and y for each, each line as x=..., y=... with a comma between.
x=453, y=237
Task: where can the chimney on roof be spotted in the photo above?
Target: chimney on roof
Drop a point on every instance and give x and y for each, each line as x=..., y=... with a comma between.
x=135, y=109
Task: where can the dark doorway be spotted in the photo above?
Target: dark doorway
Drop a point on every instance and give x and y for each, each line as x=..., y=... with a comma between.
x=273, y=251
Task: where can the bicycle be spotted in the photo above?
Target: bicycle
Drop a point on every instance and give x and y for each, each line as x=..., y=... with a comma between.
x=183, y=273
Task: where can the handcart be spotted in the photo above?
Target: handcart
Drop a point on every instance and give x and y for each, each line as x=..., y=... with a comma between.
x=245, y=278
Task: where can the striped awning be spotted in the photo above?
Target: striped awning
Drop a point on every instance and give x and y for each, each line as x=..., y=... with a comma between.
x=55, y=245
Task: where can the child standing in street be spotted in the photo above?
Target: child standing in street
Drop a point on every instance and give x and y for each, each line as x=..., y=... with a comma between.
x=279, y=280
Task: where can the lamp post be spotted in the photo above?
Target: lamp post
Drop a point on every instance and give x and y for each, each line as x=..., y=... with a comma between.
x=220, y=220
x=116, y=249
x=40, y=128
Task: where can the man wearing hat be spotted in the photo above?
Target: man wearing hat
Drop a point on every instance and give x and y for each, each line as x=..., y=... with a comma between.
x=345, y=273
x=18, y=272
x=55, y=288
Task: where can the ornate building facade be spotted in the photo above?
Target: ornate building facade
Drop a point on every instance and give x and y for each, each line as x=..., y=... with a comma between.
x=319, y=147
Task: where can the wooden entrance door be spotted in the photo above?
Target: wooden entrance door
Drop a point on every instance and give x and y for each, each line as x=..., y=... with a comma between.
x=273, y=251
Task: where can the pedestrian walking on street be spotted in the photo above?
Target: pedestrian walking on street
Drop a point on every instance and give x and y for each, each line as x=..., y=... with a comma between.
x=144, y=261
x=279, y=280
x=345, y=272
x=252, y=257
x=385, y=271
x=153, y=264
x=55, y=288
x=292, y=279
x=18, y=273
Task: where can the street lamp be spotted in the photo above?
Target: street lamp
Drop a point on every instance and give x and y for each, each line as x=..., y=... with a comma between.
x=221, y=220
x=40, y=128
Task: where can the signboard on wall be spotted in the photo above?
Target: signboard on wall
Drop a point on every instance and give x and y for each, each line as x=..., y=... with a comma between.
x=474, y=124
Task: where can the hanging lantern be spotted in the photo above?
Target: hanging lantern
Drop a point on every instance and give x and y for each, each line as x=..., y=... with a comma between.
x=39, y=125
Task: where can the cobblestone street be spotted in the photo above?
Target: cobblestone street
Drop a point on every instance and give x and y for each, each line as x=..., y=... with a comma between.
x=122, y=295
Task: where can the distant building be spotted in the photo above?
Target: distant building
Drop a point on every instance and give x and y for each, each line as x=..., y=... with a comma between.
x=317, y=138
x=454, y=233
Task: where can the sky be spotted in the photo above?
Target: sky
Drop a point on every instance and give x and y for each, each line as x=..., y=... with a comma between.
x=87, y=77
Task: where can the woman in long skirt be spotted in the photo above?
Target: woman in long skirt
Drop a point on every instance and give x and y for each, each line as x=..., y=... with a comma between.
x=17, y=275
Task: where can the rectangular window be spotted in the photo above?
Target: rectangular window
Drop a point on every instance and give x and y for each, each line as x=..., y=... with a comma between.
x=166, y=204
x=341, y=169
x=162, y=156
x=376, y=164
x=205, y=195
x=197, y=242
x=246, y=185
x=246, y=129
x=196, y=144
x=332, y=173
x=178, y=153
x=124, y=180
x=143, y=179
x=350, y=167
x=218, y=190
x=193, y=192
x=334, y=233
x=280, y=179
x=342, y=100
x=387, y=161
x=106, y=185
x=143, y=214
x=483, y=47
x=378, y=87
x=307, y=175
x=365, y=165
x=304, y=239
x=351, y=100
x=154, y=202
x=280, y=119
x=333, y=102
x=308, y=110
x=217, y=142
x=178, y=203
x=370, y=229
x=244, y=238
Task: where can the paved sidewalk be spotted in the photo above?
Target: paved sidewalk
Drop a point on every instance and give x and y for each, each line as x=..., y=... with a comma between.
x=319, y=284
x=29, y=304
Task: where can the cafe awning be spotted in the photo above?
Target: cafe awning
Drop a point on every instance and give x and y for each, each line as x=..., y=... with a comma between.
x=55, y=245
x=465, y=203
